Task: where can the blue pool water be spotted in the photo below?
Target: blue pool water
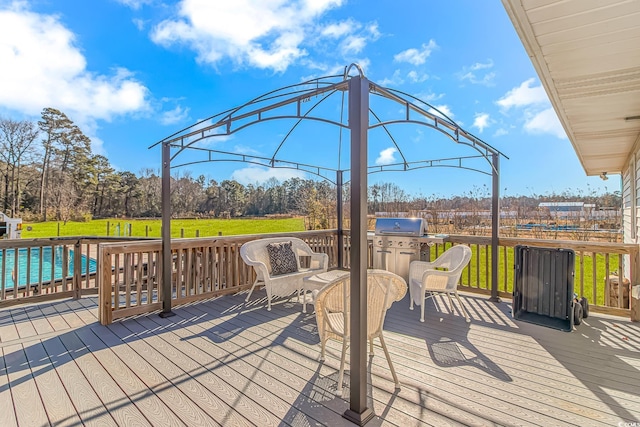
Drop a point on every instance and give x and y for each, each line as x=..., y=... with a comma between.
x=48, y=257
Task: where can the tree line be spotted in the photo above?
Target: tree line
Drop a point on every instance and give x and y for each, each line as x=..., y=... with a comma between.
x=48, y=172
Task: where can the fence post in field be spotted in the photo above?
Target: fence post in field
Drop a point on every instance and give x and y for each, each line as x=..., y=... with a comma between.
x=146, y=231
x=182, y=233
x=108, y=227
x=58, y=229
x=197, y=233
x=77, y=269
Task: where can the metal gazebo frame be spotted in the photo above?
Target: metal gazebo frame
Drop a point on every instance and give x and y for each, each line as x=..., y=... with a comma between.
x=359, y=89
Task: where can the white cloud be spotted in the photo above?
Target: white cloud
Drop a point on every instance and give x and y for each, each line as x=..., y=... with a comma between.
x=386, y=156
x=524, y=95
x=443, y=111
x=481, y=121
x=417, y=78
x=500, y=132
x=537, y=114
x=416, y=56
x=139, y=23
x=42, y=66
x=244, y=149
x=257, y=174
x=174, y=116
x=339, y=29
x=353, y=45
x=481, y=66
x=545, y=121
x=429, y=97
x=394, y=80
x=263, y=34
x=135, y=4
x=214, y=136
x=471, y=74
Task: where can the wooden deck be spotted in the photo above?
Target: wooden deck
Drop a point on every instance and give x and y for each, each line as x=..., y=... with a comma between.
x=224, y=362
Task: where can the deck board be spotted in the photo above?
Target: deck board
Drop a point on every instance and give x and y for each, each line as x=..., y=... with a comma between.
x=7, y=411
x=548, y=375
x=27, y=402
x=141, y=396
x=114, y=399
x=87, y=403
x=60, y=409
x=424, y=387
x=224, y=362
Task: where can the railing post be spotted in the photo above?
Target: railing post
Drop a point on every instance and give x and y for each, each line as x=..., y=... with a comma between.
x=495, y=227
x=77, y=269
x=167, y=267
x=106, y=289
x=339, y=218
x=358, y=411
x=634, y=288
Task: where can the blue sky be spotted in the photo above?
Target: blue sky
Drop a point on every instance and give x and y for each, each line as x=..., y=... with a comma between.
x=130, y=72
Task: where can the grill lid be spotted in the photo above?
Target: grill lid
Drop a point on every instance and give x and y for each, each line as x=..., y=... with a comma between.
x=400, y=227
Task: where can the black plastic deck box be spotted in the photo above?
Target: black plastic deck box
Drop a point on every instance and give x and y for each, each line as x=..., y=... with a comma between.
x=543, y=286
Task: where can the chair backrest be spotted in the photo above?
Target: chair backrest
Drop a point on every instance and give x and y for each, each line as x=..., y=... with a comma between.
x=383, y=289
x=455, y=258
x=256, y=250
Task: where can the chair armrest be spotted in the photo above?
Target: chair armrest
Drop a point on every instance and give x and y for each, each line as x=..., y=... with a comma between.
x=261, y=269
x=417, y=269
x=438, y=280
x=321, y=259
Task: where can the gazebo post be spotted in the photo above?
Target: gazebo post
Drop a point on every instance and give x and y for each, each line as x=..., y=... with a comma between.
x=358, y=412
x=166, y=231
x=495, y=225
x=339, y=217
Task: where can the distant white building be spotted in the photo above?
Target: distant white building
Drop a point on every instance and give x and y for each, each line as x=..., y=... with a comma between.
x=575, y=210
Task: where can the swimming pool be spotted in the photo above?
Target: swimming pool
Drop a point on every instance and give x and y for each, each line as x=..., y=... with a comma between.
x=34, y=260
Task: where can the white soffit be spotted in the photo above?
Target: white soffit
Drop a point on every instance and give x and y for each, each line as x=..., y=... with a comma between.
x=587, y=55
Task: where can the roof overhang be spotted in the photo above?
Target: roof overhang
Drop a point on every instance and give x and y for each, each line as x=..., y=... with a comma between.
x=587, y=55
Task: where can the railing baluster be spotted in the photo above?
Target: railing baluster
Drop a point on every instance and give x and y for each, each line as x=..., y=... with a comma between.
x=594, y=283
x=582, y=274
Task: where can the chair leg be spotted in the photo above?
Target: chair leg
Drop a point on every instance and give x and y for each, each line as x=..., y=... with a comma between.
x=268, y=300
x=251, y=291
x=464, y=310
x=424, y=300
x=371, y=346
x=342, y=362
x=386, y=353
x=410, y=302
x=322, y=347
x=450, y=301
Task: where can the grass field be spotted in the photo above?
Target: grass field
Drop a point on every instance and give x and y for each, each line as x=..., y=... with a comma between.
x=228, y=227
x=152, y=227
x=583, y=286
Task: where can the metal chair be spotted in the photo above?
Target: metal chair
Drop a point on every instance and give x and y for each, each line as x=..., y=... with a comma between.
x=438, y=277
x=332, y=312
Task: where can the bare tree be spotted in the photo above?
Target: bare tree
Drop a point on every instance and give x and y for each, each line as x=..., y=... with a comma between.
x=16, y=141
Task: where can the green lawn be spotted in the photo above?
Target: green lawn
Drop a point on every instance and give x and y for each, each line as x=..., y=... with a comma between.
x=476, y=280
x=213, y=227
x=152, y=228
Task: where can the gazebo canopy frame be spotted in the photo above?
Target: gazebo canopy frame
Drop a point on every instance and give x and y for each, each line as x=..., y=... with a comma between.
x=272, y=106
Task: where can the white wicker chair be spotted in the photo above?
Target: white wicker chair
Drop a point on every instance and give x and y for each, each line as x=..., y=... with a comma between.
x=254, y=253
x=425, y=279
x=332, y=312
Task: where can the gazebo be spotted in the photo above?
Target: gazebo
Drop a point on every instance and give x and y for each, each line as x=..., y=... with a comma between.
x=304, y=102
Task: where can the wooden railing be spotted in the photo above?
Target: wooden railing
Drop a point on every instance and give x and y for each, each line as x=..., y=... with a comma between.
x=596, y=264
x=202, y=268
x=130, y=269
x=33, y=270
